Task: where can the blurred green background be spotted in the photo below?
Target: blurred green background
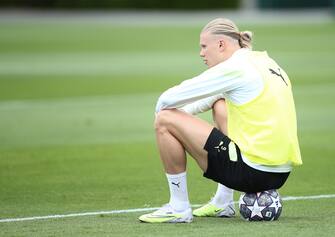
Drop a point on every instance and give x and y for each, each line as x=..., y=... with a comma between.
x=171, y=4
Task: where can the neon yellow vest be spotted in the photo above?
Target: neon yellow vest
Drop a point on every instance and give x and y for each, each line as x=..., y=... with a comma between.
x=265, y=128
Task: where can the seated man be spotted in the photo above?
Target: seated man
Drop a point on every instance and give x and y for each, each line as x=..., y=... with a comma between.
x=255, y=143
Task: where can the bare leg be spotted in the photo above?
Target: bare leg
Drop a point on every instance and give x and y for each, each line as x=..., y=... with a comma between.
x=176, y=132
x=223, y=195
x=219, y=113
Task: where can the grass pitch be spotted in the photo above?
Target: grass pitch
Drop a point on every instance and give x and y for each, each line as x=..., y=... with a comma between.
x=76, y=114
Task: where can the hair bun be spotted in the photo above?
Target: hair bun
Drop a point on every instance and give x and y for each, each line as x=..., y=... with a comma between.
x=246, y=34
x=245, y=39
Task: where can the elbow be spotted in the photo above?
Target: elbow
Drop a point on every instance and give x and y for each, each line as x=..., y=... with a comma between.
x=162, y=103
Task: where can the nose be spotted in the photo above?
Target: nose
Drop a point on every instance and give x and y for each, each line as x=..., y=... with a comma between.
x=201, y=53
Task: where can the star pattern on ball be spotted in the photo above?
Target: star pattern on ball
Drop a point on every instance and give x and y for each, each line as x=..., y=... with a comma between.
x=256, y=210
x=276, y=204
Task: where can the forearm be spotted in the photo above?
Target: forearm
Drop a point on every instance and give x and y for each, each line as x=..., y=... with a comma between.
x=201, y=106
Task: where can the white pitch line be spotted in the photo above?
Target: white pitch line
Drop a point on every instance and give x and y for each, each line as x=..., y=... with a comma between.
x=288, y=198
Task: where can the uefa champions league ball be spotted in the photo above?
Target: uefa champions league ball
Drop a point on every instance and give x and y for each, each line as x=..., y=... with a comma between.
x=262, y=206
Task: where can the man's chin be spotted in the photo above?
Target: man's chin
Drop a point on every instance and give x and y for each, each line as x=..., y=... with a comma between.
x=209, y=65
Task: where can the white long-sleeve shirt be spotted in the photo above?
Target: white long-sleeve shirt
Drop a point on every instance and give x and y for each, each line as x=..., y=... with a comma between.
x=234, y=79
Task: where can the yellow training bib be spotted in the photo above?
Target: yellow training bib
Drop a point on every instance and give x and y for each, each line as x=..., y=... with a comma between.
x=265, y=129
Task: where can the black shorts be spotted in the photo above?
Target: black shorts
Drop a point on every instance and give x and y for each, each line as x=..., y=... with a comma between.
x=232, y=171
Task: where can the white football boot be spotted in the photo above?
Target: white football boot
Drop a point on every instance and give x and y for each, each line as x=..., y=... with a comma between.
x=166, y=214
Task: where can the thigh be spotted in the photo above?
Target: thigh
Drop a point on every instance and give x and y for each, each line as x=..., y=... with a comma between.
x=190, y=131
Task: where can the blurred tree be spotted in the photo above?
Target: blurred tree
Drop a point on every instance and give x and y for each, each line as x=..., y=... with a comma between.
x=123, y=4
x=294, y=4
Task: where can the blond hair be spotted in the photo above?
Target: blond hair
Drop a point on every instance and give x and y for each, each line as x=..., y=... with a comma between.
x=223, y=26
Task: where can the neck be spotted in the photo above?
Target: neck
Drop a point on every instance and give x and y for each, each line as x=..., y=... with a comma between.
x=230, y=51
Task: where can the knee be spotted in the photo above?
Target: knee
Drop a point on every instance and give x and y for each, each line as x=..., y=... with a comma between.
x=163, y=120
x=220, y=110
x=220, y=105
x=220, y=115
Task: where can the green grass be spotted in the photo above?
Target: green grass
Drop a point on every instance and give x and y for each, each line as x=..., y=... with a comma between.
x=297, y=220
x=76, y=115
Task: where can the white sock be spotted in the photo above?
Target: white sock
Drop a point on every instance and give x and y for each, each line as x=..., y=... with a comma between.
x=178, y=191
x=223, y=196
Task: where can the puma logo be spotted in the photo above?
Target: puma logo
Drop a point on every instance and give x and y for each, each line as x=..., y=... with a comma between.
x=278, y=74
x=177, y=184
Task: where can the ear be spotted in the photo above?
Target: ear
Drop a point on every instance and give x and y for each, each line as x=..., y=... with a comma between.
x=221, y=45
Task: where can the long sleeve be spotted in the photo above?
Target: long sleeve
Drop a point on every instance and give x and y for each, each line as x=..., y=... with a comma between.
x=202, y=105
x=214, y=81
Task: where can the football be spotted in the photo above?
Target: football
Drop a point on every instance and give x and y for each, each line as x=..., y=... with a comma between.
x=262, y=206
